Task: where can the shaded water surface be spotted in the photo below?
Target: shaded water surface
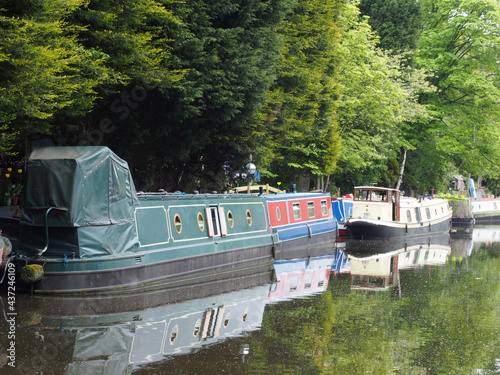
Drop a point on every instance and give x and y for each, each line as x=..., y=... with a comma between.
x=430, y=306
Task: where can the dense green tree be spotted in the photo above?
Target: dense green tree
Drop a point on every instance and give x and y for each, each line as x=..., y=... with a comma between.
x=459, y=46
x=299, y=126
x=370, y=107
x=44, y=71
x=397, y=22
x=190, y=84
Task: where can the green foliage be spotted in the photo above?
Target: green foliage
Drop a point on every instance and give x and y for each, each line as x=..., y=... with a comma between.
x=397, y=22
x=372, y=103
x=459, y=45
x=299, y=127
x=43, y=70
x=301, y=86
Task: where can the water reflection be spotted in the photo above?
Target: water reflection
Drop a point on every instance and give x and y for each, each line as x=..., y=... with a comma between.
x=375, y=264
x=298, y=278
x=302, y=315
x=114, y=335
x=119, y=334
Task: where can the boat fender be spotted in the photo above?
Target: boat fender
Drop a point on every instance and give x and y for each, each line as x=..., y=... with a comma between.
x=31, y=273
x=310, y=230
x=274, y=252
x=65, y=260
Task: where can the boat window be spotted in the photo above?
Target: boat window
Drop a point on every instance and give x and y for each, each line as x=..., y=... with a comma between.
x=418, y=214
x=362, y=195
x=296, y=211
x=245, y=314
x=379, y=195
x=308, y=281
x=294, y=283
x=197, y=327
x=495, y=205
x=278, y=214
x=436, y=211
x=310, y=209
x=213, y=223
x=173, y=334
x=428, y=213
x=178, y=224
x=324, y=208
x=249, y=218
x=201, y=222
x=230, y=219
x=408, y=216
x=227, y=318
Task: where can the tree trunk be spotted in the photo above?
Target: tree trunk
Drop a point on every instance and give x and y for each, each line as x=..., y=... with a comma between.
x=402, y=169
x=327, y=184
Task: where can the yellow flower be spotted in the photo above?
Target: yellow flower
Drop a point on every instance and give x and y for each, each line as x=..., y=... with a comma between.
x=7, y=175
x=9, y=169
x=19, y=170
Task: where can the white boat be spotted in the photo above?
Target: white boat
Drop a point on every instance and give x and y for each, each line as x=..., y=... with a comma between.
x=486, y=211
x=383, y=213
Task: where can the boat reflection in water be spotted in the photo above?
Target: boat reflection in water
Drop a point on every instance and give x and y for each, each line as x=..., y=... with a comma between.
x=115, y=335
x=468, y=241
x=118, y=335
x=298, y=278
x=375, y=264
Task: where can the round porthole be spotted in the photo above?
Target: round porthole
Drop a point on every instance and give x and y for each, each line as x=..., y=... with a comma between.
x=278, y=214
x=201, y=222
x=249, y=218
x=230, y=219
x=178, y=224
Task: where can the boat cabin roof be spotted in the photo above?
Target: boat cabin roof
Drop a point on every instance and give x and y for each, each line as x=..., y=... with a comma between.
x=374, y=188
x=296, y=196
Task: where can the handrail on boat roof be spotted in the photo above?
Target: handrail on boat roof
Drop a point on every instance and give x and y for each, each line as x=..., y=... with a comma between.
x=375, y=188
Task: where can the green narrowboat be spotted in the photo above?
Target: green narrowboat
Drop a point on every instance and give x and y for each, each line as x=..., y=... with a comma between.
x=84, y=228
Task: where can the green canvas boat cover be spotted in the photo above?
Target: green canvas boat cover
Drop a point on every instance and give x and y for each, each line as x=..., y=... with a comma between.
x=86, y=196
x=85, y=186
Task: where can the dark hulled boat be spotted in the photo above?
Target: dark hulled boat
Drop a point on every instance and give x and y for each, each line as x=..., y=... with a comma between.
x=89, y=230
x=382, y=213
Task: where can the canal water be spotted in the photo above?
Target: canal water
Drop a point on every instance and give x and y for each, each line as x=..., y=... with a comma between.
x=381, y=307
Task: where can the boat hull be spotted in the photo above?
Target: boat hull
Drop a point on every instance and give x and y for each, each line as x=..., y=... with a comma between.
x=120, y=278
x=317, y=245
x=374, y=229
